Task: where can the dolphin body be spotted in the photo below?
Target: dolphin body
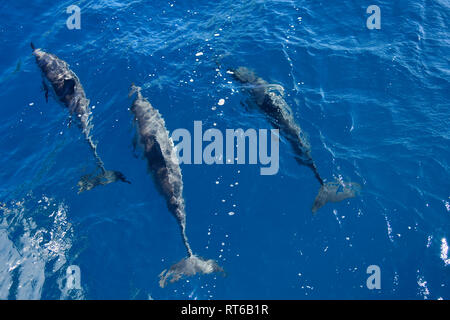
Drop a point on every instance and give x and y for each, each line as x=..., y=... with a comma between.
x=268, y=97
x=162, y=161
x=70, y=93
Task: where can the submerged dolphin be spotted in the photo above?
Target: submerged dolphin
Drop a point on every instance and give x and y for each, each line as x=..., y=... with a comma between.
x=162, y=162
x=279, y=114
x=70, y=93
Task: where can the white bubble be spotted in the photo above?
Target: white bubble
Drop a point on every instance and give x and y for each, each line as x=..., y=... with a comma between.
x=444, y=251
x=221, y=102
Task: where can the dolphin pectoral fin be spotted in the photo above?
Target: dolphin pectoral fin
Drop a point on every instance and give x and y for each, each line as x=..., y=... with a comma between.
x=249, y=105
x=134, y=143
x=245, y=105
x=334, y=192
x=45, y=88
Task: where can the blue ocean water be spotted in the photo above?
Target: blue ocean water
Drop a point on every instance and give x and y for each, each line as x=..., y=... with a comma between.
x=374, y=104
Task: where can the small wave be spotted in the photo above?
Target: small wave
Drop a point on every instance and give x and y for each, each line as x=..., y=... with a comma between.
x=35, y=238
x=444, y=252
x=423, y=287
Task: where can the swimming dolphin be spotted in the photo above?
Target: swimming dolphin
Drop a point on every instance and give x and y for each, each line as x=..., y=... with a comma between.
x=162, y=162
x=269, y=98
x=70, y=93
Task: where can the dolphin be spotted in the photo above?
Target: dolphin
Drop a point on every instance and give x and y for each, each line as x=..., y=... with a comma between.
x=162, y=161
x=269, y=99
x=70, y=93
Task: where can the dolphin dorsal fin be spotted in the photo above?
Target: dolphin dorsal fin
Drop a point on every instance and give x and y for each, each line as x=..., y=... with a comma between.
x=69, y=87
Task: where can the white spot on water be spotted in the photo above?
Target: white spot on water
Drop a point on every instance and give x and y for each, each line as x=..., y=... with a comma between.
x=447, y=205
x=423, y=289
x=429, y=241
x=444, y=251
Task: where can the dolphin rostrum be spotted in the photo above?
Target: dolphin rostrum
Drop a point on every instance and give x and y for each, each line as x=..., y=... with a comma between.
x=70, y=93
x=162, y=161
x=269, y=98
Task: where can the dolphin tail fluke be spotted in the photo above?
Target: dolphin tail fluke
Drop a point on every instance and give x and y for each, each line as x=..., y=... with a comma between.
x=133, y=89
x=189, y=266
x=90, y=181
x=334, y=192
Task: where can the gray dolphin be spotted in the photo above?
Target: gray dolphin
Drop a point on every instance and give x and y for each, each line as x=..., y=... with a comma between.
x=70, y=93
x=269, y=98
x=162, y=161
